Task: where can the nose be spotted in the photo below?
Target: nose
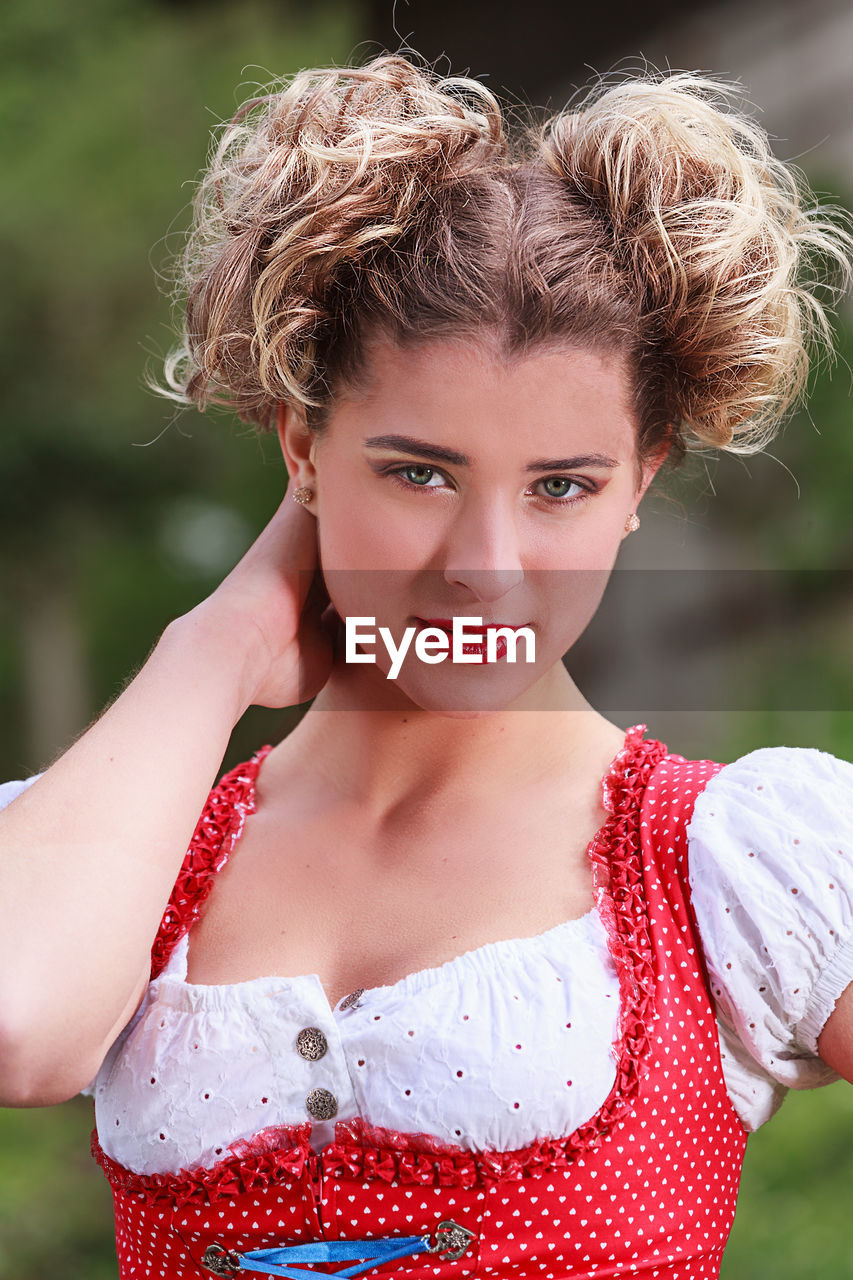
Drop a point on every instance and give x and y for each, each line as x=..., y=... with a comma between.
x=483, y=550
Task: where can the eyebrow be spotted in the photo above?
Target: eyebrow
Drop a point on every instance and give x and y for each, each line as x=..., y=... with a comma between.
x=435, y=453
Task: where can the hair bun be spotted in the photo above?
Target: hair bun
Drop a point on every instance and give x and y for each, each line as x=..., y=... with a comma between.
x=650, y=218
x=303, y=182
x=720, y=236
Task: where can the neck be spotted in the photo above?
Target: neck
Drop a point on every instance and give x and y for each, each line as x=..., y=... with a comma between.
x=382, y=757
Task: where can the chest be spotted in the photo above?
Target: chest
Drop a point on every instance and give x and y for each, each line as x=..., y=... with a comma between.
x=489, y=1053
x=362, y=906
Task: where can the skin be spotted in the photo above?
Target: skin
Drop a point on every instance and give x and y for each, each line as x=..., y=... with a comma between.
x=435, y=793
x=408, y=785
x=835, y=1042
x=481, y=540
x=407, y=800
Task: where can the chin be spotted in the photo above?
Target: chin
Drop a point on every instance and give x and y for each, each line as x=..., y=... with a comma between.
x=465, y=698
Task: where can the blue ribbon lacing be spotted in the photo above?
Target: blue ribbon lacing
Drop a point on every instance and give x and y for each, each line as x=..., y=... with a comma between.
x=451, y=1241
x=272, y=1262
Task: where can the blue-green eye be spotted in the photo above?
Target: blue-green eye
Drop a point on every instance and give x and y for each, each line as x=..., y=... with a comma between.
x=419, y=480
x=417, y=475
x=563, y=482
x=413, y=476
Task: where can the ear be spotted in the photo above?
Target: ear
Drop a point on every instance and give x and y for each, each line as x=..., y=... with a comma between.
x=647, y=475
x=649, y=472
x=297, y=445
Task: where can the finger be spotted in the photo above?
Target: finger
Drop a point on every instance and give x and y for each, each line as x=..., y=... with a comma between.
x=299, y=529
x=296, y=550
x=317, y=595
x=334, y=626
x=331, y=618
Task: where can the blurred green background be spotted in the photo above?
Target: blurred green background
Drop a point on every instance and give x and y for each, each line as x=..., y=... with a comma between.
x=118, y=514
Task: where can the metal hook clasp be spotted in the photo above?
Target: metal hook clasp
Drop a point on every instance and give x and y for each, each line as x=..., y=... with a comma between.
x=222, y=1262
x=451, y=1240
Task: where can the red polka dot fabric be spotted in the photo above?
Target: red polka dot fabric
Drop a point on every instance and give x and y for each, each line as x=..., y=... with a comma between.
x=646, y=1188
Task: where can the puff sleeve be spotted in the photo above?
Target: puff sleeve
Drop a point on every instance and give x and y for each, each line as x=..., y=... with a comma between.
x=770, y=865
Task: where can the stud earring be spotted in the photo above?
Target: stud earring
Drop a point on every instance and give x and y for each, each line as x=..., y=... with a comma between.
x=632, y=523
x=303, y=494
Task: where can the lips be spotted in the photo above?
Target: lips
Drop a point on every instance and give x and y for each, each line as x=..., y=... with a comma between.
x=446, y=624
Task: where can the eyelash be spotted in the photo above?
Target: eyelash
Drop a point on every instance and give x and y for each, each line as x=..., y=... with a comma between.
x=395, y=474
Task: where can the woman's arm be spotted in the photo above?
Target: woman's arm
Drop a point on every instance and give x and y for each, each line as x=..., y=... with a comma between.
x=90, y=851
x=88, y=857
x=835, y=1042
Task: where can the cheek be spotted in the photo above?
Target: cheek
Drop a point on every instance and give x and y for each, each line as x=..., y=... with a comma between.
x=366, y=536
x=564, y=599
x=586, y=542
x=368, y=553
x=577, y=600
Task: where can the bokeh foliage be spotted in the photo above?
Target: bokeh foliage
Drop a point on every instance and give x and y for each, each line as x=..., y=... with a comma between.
x=131, y=514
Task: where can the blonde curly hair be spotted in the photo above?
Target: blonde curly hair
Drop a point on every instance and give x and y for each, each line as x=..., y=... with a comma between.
x=649, y=218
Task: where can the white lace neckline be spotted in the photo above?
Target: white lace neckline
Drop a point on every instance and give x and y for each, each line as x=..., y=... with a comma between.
x=588, y=926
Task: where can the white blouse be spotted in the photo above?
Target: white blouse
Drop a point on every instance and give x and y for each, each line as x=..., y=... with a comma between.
x=512, y=1041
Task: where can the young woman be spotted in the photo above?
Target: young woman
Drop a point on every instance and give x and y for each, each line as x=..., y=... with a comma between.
x=460, y=978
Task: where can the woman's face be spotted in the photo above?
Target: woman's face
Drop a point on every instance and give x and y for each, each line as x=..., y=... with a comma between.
x=456, y=485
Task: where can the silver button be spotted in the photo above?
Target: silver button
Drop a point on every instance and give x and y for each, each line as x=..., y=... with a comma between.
x=311, y=1043
x=352, y=999
x=322, y=1104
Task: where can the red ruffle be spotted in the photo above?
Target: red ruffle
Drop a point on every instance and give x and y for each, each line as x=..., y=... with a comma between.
x=238, y=1173
x=616, y=852
x=366, y=1151
x=216, y=833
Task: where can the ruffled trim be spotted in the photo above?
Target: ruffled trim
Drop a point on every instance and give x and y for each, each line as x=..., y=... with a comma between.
x=366, y=1151
x=617, y=857
x=217, y=831
x=251, y=1167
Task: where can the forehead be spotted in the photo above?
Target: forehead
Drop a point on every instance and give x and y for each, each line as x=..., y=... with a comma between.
x=466, y=387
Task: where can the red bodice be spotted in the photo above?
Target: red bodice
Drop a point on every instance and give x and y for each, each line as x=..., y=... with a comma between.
x=646, y=1188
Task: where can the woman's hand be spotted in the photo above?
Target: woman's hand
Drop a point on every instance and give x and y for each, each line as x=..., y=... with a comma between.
x=275, y=605
x=89, y=853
